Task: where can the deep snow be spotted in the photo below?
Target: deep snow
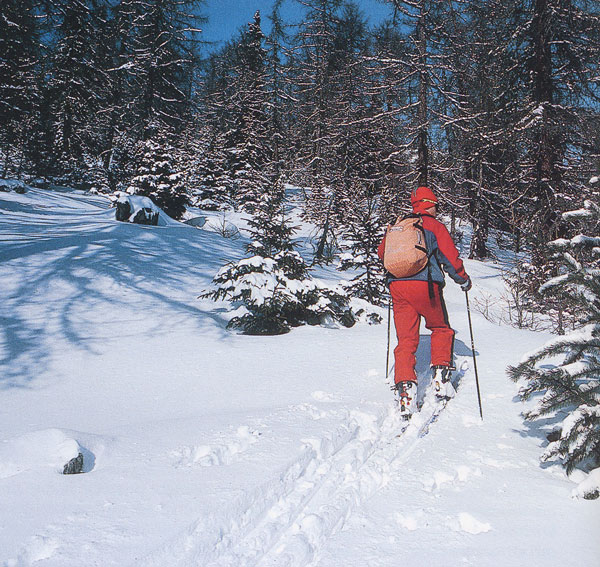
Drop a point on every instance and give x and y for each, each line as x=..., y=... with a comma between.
x=203, y=447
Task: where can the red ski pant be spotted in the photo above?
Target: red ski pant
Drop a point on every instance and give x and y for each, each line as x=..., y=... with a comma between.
x=411, y=301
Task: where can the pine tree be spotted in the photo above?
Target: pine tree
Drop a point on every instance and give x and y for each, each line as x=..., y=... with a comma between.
x=472, y=40
x=269, y=227
x=420, y=21
x=389, y=103
x=76, y=85
x=122, y=130
x=571, y=388
x=277, y=87
x=19, y=93
x=273, y=285
x=313, y=89
x=363, y=232
x=246, y=141
x=215, y=183
x=354, y=159
x=235, y=102
x=556, y=47
x=162, y=62
x=157, y=177
x=313, y=50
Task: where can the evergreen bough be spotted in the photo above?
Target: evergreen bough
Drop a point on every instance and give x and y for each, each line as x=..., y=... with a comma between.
x=572, y=385
x=273, y=286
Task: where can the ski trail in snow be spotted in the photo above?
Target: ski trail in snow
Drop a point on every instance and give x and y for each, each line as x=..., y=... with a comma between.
x=362, y=477
x=289, y=521
x=358, y=471
x=309, y=511
x=219, y=453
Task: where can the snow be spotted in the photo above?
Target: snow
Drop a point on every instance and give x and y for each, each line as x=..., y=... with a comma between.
x=205, y=447
x=590, y=485
x=138, y=203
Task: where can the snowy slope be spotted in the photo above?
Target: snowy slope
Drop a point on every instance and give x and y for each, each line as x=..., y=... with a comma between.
x=202, y=447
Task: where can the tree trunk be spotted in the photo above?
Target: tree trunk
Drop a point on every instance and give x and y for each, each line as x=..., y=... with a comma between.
x=422, y=136
x=547, y=177
x=480, y=222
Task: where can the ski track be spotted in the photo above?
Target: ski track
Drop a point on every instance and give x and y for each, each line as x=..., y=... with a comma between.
x=288, y=522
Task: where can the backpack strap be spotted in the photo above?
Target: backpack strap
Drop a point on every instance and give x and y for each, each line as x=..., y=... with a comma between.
x=424, y=249
x=419, y=225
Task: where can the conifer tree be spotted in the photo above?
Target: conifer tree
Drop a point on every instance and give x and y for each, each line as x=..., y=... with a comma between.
x=246, y=141
x=235, y=101
x=556, y=48
x=363, y=232
x=277, y=87
x=570, y=389
x=157, y=177
x=312, y=56
x=122, y=128
x=162, y=61
x=273, y=284
x=75, y=89
x=19, y=92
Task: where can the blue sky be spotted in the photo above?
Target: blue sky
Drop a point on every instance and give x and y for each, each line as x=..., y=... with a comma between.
x=225, y=17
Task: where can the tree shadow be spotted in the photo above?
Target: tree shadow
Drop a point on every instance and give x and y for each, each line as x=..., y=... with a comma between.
x=70, y=281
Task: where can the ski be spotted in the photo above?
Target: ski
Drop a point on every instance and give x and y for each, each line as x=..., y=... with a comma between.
x=429, y=408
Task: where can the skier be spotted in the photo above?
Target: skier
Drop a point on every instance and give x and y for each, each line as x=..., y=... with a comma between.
x=419, y=296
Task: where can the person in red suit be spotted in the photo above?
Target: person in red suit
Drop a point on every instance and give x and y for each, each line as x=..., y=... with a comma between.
x=421, y=296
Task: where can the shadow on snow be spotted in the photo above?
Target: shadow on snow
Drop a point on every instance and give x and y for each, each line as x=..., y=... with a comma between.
x=75, y=283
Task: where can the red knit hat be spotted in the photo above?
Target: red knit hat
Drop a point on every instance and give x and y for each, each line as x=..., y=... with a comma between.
x=422, y=199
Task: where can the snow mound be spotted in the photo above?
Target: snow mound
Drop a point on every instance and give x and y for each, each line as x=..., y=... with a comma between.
x=588, y=489
x=48, y=448
x=472, y=525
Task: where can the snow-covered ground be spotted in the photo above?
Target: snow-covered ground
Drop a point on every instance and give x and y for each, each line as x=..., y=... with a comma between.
x=203, y=447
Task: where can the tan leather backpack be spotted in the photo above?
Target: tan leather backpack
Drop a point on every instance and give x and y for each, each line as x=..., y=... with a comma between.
x=405, y=252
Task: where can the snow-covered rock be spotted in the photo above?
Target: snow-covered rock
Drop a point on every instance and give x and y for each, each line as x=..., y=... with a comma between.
x=136, y=209
x=50, y=448
x=15, y=185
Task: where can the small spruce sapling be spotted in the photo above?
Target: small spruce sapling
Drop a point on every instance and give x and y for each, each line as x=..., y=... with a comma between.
x=363, y=232
x=273, y=286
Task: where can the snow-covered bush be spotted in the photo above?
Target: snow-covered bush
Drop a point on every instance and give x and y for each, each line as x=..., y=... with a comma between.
x=273, y=287
x=572, y=385
x=277, y=294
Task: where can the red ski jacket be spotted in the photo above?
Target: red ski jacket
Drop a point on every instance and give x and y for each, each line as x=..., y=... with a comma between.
x=442, y=253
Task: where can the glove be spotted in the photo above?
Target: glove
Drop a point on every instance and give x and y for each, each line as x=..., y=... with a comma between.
x=467, y=285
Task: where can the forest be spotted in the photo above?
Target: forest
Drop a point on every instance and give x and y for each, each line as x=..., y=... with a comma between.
x=494, y=104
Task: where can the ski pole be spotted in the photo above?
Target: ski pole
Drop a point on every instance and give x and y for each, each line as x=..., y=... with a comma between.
x=474, y=358
x=387, y=353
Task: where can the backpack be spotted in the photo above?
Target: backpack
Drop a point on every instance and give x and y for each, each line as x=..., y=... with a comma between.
x=405, y=252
